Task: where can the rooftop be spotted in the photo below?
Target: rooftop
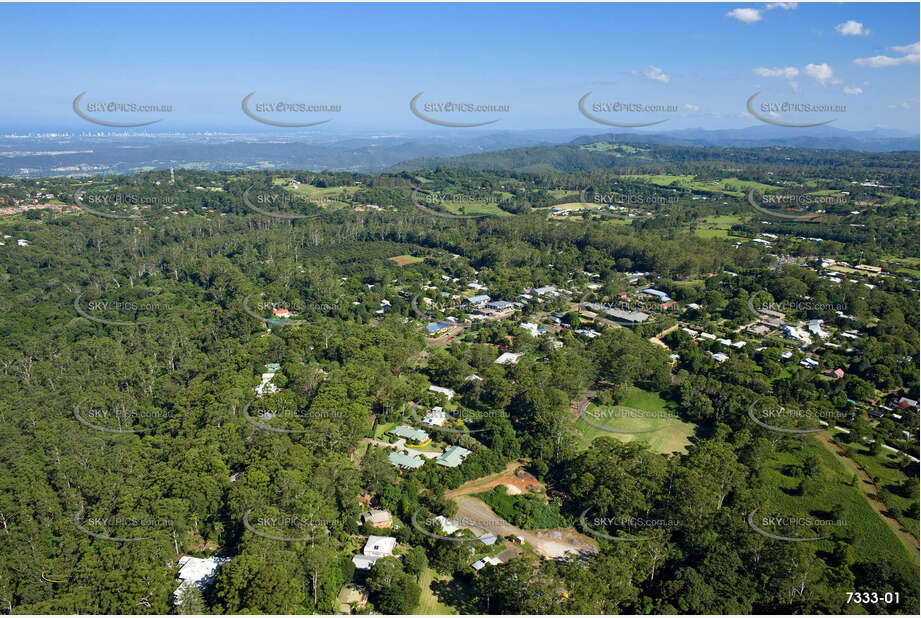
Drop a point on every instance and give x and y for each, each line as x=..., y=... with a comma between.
x=402, y=460
x=452, y=457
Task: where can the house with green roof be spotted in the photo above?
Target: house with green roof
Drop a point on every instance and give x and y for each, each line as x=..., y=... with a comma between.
x=416, y=436
x=452, y=457
x=405, y=461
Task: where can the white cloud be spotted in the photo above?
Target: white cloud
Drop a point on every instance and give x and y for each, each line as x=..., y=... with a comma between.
x=819, y=72
x=854, y=90
x=902, y=105
x=787, y=6
x=785, y=72
x=909, y=55
x=852, y=28
x=691, y=108
x=748, y=16
x=914, y=48
x=657, y=74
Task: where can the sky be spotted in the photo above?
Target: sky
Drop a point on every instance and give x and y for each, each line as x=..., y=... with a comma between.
x=696, y=65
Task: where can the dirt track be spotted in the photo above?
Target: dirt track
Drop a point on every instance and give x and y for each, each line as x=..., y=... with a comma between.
x=474, y=510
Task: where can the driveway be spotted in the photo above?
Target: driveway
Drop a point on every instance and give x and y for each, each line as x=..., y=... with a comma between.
x=553, y=543
x=400, y=445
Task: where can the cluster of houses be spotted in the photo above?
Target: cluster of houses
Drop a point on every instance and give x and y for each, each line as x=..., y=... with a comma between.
x=719, y=357
x=451, y=457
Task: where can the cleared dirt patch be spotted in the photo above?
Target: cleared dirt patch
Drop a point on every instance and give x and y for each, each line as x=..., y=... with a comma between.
x=553, y=543
x=403, y=260
x=515, y=479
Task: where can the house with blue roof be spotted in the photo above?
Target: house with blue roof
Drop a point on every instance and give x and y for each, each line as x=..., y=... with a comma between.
x=662, y=296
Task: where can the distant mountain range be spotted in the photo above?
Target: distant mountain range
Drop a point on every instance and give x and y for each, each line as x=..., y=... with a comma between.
x=72, y=155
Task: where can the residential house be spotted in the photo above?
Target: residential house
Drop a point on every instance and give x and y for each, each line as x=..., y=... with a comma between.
x=815, y=327
x=509, y=358
x=377, y=547
x=904, y=403
x=795, y=333
x=834, y=373
x=452, y=457
x=634, y=317
x=199, y=572
x=531, y=327
x=662, y=296
x=404, y=461
x=447, y=392
x=482, y=562
x=488, y=538
x=436, y=416
x=379, y=518
x=416, y=436
x=477, y=301
x=547, y=290
x=438, y=327
x=448, y=526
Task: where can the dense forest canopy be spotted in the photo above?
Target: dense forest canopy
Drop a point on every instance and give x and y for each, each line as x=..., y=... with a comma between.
x=134, y=341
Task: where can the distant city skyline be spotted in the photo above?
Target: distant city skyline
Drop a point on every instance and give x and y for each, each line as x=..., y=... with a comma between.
x=675, y=66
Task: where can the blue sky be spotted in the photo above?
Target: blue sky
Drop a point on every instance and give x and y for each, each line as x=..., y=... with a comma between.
x=706, y=60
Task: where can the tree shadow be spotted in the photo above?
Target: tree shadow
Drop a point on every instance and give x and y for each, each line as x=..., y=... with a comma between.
x=456, y=593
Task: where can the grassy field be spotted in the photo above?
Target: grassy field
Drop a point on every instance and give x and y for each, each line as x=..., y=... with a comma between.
x=716, y=226
x=884, y=471
x=609, y=147
x=328, y=197
x=740, y=187
x=670, y=433
x=472, y=208
x=663, y=180
x=908, y=267
x=429, y=604
x=873, y=540
x=728, y=186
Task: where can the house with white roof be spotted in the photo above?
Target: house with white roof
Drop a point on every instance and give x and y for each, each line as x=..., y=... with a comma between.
x=509, y=358
x=436, y=416
x=795, y=333
x=531, y=327
x=482, y=562
x=477, y=301
x=447, y=392
x=199, y=572
x=815, y=327
x=377, y=547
